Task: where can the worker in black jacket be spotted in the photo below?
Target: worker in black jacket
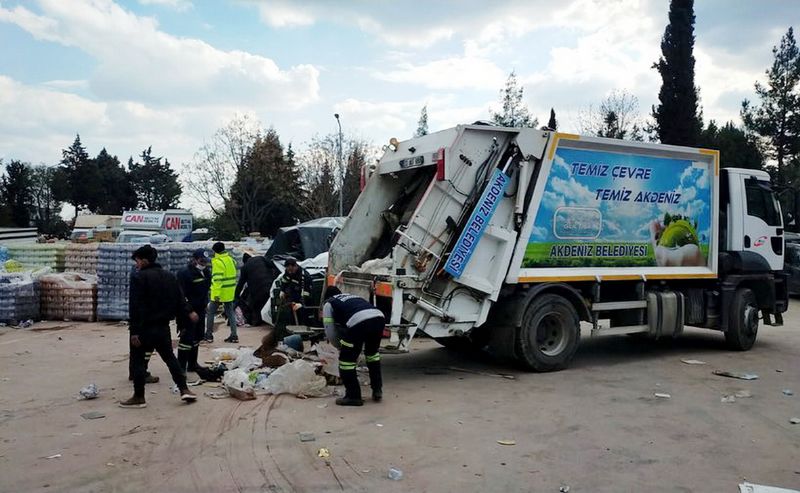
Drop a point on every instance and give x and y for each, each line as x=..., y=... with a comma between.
x=155, y=299
x=295, y=294
x=255, y=275
x=352, y=323
x=195, y=282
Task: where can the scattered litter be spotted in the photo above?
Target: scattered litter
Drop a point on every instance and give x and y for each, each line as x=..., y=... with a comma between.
x=307, y=436
x=323, y=453
x=242, y=395
x=779, y=371
x=225, y=354
x=662, y=395
x=77, y=434
x=365, y=471
x=93, y=415
x=24, y=325
x=728, y=399
x=110, y=464
x=322, y=406
x=89, y=392
x=736, y=374
x=758, y=488
x=743, y=394
x=693, y=362
x=379, y=425
x=563, y=489
x=788, y=392
x=795, y=421
x=219, y=394
x=174, y=389
x=484, y=373
x=507, y=442
x=154, y=392
x=55, y=456
x=395, y=474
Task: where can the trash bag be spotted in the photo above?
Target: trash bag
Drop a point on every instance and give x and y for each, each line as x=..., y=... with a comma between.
x=298, y=378
x=246, y=361
x=225, y=354
x=237, y=379
x=329, y=356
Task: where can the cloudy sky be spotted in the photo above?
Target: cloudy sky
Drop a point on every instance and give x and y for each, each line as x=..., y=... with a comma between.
x=167, y=73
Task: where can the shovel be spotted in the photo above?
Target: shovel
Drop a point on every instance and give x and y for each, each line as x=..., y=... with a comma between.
x=297, y=328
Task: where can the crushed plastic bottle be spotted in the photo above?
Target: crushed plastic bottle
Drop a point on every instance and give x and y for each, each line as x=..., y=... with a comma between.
x=174, y=389
x=395, y=474
x=89, y=392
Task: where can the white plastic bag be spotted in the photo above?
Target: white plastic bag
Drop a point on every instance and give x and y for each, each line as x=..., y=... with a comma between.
x=266, y=312
x=246, y=361
x=237, y=379
x=225, y=354
x=298, y=378
x=329, y=356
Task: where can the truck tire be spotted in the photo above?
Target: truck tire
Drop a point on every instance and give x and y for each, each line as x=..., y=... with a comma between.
x=743, y=325
x=549, y=334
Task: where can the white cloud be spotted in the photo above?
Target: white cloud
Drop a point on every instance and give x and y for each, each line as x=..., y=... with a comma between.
x=137, y=61
x=447, y=73
x=179, y=5
x=280, y=14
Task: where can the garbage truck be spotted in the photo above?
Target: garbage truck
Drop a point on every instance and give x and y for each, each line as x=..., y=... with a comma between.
x=511, y=238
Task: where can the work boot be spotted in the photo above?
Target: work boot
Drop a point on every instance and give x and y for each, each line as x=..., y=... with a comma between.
x=232, y=340
x=151, y=379
x=347, y=401
x=377, y=395
x=188, y=396
x=133, y=403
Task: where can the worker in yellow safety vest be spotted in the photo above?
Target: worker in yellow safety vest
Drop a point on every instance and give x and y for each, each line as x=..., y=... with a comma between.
x=223, y=287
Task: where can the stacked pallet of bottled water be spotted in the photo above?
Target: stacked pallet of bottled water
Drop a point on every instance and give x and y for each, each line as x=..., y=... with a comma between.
x=19, y=298
x=39, y=254
x=68, y=296
x=180, y=254
x=114, y=269
x=81, y=257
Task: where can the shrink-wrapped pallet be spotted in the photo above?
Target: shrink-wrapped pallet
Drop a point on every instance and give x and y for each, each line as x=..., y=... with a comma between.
x=68, y=296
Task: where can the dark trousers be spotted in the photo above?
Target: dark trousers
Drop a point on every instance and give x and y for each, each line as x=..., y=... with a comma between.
x=189, y=341
x=158, y=340
x=366, y=334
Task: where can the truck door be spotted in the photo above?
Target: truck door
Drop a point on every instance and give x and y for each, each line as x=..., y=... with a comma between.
x=762, y=225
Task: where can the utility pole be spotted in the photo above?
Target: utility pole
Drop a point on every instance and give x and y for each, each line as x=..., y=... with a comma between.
x=341, y=167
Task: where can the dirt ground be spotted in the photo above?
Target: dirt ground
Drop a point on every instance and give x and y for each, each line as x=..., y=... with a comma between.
x=596, y=427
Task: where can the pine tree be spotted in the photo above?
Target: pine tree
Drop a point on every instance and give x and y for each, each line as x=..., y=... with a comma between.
x=117, y=194
x=677, y=120
x=552, y=122
x=78, y=183
x=16, y=192
x=737, y=149
x=422, y=125
x=515, y=112
x=777, y=119
x=155, y=183
x=352, y=177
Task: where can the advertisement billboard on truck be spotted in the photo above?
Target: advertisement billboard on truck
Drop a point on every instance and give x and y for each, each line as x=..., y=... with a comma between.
x=611, y=209
x=175, y=224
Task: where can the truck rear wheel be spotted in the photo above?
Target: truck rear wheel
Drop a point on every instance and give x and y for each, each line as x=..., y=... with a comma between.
x=549, y=334
x=743, y=325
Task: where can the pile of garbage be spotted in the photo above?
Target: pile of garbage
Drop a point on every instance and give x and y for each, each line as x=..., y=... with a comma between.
x=243, y=376
x=39, y=254
x=19, y=297
x=81, y=257
x=68, y=296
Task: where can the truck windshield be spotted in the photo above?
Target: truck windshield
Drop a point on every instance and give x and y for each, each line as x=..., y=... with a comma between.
x=761, y=202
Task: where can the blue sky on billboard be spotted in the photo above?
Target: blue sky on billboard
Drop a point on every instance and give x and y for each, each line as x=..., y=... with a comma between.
x=168, y=73
x=629, y=191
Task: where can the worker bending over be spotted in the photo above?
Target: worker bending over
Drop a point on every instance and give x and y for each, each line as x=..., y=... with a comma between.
x=350, y=323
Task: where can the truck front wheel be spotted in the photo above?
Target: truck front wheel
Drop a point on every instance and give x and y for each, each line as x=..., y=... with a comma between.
x=549, y=334
x=743, y=325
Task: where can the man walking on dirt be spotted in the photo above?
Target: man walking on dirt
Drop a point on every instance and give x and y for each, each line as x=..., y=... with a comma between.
x=195, y=281
x=352, y=323
x=223, y=290
x=155, y=299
